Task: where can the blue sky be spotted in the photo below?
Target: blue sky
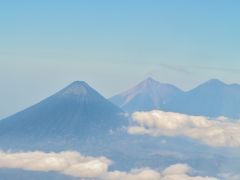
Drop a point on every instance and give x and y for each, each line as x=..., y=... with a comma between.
x=113, y=44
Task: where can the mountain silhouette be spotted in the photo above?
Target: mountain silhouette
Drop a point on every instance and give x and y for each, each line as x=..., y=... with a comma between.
x=77, y=111
x=147, y=95
x=213, y=98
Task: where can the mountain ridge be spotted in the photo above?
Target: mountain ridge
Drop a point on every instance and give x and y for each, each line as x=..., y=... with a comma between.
x=212, y=98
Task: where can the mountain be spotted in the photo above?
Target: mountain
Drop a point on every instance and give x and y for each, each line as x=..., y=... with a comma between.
x=213, y=98
x=79, y=118
x=75, y=112
x=147, y=95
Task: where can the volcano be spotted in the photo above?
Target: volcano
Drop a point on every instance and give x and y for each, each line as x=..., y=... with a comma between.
x=75, y=112
x=147, y=95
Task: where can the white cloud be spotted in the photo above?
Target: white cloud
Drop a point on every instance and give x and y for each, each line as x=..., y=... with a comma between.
x=68, y=163
x=140, y=174
x=74, y=164
x=174, y=172
x=219, y=132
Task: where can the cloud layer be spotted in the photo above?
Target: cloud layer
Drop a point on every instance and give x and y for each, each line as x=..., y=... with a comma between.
x=219, y=132
x=68, y=163
x=74, y=164
x=174, y=172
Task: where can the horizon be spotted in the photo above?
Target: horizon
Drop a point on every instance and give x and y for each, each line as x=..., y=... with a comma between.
x=116, y=93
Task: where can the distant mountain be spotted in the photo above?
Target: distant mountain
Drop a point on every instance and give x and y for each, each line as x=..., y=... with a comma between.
x=77, y=112
x=147, y=95
x=212, y=98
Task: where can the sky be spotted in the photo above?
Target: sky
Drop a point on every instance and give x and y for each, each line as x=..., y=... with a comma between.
x=112, y=45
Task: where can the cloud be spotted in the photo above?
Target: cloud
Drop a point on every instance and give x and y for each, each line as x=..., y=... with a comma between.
x=68, y=163
x=220, y=69
x=219, y=132
x=140, y=174
x=74, y=164
x=229, y=176
x=174, y=172
x=176, y=68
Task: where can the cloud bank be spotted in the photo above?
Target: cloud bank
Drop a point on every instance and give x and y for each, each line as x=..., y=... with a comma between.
x=219, y=132
x=74, y=164
x=174, y=172
x=68, y=163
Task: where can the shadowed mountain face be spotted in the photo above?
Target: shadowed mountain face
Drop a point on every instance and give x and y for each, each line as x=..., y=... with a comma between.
x=77, y=111
x=147, y=95
x=213, y=98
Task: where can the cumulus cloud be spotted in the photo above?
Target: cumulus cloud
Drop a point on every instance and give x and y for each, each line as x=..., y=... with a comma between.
x=140, y=174
x=74, y=164
x=174, y=172
x=68, y=163
x=219, y=132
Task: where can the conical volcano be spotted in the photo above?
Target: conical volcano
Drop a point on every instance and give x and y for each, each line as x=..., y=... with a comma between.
x=76, y=111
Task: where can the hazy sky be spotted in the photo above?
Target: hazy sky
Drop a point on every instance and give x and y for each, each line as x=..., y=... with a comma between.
x=44, y=45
